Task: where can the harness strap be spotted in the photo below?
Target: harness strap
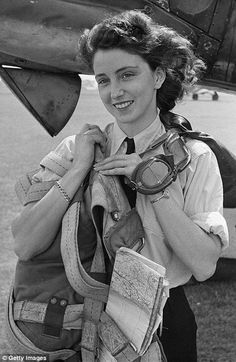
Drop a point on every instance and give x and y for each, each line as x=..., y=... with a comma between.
x=28, y=311
x=115, y=340
x=155, y=352
x=94, y=292
x=89, y=342
x=20, y=344
x=93, y=308
x=120, y=347
x=80, y=281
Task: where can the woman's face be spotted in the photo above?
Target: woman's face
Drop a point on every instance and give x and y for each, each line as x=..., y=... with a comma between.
x=127, y=87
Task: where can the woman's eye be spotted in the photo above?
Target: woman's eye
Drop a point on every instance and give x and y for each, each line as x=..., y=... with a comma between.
x=102, y=81
x=127, y=75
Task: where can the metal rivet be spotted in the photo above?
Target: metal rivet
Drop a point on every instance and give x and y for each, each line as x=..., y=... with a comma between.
x=53, y=300
x=147, y=9
x=63, y=303
x=115, y=215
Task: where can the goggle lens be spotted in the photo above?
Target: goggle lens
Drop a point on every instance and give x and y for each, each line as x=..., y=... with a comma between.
x=154, y=173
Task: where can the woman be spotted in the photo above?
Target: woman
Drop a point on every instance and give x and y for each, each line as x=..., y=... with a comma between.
x=141, y=69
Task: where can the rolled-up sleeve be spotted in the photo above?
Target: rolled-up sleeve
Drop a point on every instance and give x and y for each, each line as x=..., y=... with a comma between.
x=203, y=192
x=55, y=164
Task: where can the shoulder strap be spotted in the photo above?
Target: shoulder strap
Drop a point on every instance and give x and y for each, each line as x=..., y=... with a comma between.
x=226, y=159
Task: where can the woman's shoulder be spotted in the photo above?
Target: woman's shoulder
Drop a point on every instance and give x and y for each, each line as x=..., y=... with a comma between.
x=197, y=148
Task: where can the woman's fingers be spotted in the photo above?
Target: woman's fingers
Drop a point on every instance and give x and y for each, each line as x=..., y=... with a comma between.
x=114, y=158
x=86, y=142
x=111, y=164
x=89, y=126
x=115, y=171
x=118, y=165
x=96, y=135
x=92, y=134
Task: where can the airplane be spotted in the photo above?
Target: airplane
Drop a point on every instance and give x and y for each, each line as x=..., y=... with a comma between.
x=39, y=58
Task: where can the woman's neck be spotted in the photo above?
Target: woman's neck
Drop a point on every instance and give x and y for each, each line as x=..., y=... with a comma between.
x=132, y=129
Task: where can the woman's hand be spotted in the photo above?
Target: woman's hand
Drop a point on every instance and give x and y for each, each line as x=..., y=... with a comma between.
x=118, y=164
x=85, y=142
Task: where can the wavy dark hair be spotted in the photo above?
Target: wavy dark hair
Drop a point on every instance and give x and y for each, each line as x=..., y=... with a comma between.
x=160, y=46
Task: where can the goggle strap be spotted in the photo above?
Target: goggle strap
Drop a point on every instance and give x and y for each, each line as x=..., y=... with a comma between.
x=157, y=143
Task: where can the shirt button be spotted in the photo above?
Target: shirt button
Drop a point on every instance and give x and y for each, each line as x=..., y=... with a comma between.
x=53, y=300
x=115, y=215
x=63, y=302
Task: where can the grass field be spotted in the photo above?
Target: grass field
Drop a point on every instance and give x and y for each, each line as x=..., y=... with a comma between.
x=23, y=142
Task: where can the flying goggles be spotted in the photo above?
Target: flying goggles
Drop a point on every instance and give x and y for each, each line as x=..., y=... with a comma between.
x=157, y=172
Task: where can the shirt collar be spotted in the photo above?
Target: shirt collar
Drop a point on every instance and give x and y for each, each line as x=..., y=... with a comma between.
x=142, y=140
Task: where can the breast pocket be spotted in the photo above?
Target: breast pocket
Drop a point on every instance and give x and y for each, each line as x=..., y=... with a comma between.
x=127, y=231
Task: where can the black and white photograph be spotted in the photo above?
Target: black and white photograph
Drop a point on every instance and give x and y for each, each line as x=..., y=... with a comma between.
x=118, y=180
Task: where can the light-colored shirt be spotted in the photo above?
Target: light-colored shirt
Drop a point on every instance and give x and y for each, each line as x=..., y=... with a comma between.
x=197, y=191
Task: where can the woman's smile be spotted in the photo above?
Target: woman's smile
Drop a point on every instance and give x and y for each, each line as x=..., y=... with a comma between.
x=123, y=105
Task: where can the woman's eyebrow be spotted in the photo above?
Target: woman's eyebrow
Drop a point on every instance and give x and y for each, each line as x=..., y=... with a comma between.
x=100, y=75
x=126, y=67
x=118, y=70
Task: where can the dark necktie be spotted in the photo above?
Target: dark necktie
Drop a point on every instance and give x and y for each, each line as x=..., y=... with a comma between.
x=131, y=194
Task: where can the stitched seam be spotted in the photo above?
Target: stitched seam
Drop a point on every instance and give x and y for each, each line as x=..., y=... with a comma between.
x=61, y=156
x=38, y=191
x=22, y=186
x=53, y=160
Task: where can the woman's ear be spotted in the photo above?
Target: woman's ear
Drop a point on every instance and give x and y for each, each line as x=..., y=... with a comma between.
x=160, y=75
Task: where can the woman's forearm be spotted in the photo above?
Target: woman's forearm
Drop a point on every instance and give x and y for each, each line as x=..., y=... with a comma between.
x=198, y=250
x=36, y=227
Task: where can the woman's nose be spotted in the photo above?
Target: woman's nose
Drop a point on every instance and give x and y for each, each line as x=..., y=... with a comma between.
x=116, y=90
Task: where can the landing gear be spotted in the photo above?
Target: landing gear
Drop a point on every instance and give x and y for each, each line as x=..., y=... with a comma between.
x=215, y=96
x=202, y=92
